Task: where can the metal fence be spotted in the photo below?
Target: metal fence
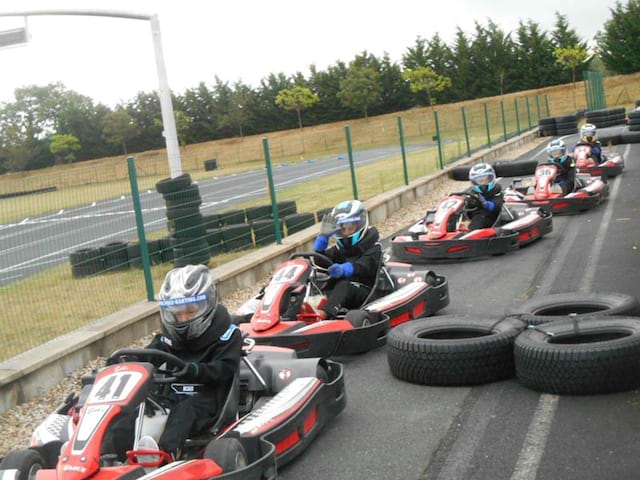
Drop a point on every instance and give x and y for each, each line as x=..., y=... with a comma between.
x=72, y=251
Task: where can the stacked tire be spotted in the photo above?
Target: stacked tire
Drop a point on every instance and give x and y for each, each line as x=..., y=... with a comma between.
x=185, y=222
x=566, y=125
x=606, y=117
x=547, y=127
x=634, y=120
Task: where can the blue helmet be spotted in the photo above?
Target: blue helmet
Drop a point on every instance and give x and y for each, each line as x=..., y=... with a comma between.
x=557, y=151
x=483, y=177
x=352, y=220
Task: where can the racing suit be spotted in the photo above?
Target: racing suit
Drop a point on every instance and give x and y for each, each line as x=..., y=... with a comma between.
x=482, y=217
x=566, y=176
x=353, y=291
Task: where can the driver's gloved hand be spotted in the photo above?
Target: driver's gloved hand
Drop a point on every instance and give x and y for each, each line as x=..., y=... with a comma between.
x=321, y=243
x=487, y=204
x=190, y=371
x=338, y=270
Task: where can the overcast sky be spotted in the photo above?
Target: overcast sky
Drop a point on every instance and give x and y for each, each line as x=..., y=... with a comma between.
x=111, y=59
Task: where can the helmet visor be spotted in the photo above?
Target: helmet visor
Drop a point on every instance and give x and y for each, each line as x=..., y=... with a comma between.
x=483, y=181
x=350, y=225
x=184, y=309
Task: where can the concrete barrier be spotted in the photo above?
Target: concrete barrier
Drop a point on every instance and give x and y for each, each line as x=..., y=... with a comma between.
x=32, y=373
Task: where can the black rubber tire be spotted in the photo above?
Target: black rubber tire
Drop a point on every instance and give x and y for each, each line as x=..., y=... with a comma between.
x=27, y=462
x=211, y=220
x=567, y=118
x=547, y=121
x=260, y=212
x=215, y=241
x=174, y=213
x=298, y=221
x=86, y=262
x=560, y=306
x=580, y=356
x=264, y=231
x=210, y=164
x=358, y=318
x=286, y=207
x=153, y=246
x=515, y=169
x=237, y=237
x=114, y=256
x=634, y=128
x=453, y=350
x=228, y=453
x=633, y=115
x=187, y=196
x=634, y=121
x=566, y=126
x=168, y=185
x=187, y=233
x=195, y=253
x=134, y=255
x=569, y=131
x=165, y=249
x=630, y=137
x=232, y=217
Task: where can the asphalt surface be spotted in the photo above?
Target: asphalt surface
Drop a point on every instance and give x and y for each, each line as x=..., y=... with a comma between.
x=34, y=244
x=391, y=429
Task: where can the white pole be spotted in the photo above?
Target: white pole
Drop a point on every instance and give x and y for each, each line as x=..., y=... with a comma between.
x=166, y=107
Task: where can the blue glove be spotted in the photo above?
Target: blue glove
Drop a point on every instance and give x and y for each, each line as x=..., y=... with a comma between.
x=338, y=270
x=320, y=243
x=487, y=204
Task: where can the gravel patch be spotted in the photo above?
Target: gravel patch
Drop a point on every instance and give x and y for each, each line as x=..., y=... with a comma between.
x=18, y=423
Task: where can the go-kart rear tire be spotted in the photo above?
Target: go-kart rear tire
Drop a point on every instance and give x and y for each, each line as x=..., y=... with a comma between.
x=559, y=306
x=27, y=462
x=580, y=356
x=358, y=318
x=228, y=453
x=453, y=350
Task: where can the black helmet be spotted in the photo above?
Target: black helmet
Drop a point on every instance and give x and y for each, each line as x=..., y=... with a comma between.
x=188, y=303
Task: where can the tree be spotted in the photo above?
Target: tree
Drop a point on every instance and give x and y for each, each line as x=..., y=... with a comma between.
x=425, y=79
x=619, y=43
x=119, y=128
x=63, y=147
x=361, y=89
x=571, y=58
x=564, y=36
x=297, y=98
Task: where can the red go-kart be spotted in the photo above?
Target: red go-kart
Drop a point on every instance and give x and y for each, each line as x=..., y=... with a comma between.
x=399, y=295
x=612, y=163
x=443, y=233
x=276, y=405
x=541, y=191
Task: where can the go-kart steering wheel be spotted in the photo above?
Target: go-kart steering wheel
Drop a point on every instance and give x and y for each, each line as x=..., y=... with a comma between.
x=319, y=259
x=174, y=365
x=471, y=202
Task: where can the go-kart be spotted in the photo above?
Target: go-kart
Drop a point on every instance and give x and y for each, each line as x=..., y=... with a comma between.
x=612, y=163
x=400, y=294
x=443, y=233
x=276, y=405
x=541, y=191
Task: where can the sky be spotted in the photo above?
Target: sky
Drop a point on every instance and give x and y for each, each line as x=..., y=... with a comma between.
x=111, y=59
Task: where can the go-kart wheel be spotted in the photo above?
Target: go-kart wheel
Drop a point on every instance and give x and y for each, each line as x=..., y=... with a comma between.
x=228, y=453
x=358, y=318
x=27, y=462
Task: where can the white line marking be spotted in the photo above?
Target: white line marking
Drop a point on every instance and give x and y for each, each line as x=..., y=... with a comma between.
x=536, y=438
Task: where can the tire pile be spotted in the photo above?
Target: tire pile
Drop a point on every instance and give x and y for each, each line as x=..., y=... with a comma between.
x=634, y=119
x=608, y=117
x=189, y=234
x=558, y=126
x=569, y=343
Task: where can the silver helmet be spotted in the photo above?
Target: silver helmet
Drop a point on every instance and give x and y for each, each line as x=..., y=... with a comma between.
x=188, y=302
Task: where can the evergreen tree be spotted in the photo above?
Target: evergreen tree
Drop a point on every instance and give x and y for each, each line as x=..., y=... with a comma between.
x=619, y=43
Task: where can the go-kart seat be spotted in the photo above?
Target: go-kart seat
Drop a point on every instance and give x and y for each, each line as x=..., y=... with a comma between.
x=228, y=414
x=384, y=283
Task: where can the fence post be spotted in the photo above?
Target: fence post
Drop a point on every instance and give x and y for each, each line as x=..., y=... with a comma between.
x=546, y=101
x=515, y=100
x=272, y=191
x=440, y=153
x=354, y=184
x=466, y=131
x=404, y=152
x=144, y=250
x=486, y=121
x=504, y=121
x=528, y=112
x=538, y=105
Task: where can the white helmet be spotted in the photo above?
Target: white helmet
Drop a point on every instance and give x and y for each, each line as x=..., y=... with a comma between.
x=188, y=302
x=588, y=133
x=483, y=177
x=352, y=220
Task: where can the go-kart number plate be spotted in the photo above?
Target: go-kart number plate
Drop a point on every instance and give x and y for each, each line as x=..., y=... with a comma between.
x=114, y=388
x=287, y=273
